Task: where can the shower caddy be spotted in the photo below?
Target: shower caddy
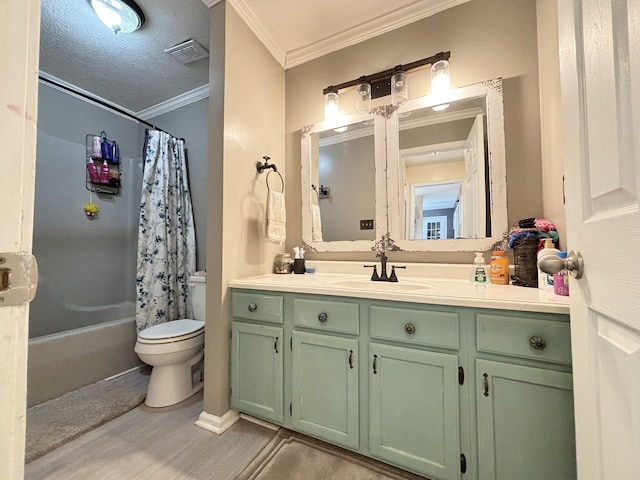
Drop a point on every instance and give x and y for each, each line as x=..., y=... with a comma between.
x=106, y=150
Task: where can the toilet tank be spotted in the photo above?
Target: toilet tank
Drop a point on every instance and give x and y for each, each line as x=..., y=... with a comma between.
x=198, y=285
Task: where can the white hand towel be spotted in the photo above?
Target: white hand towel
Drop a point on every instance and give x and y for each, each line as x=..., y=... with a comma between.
x=316, y=223
x=276, y=217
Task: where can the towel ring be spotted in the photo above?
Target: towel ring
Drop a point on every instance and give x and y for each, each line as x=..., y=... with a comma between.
x=281, y=179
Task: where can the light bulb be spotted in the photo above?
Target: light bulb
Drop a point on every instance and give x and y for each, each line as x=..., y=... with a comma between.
x=363, y=97
x=440, y=82
x=331, y=106
x=399, y=87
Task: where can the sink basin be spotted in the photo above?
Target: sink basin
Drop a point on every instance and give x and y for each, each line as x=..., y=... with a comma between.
x=361, y=284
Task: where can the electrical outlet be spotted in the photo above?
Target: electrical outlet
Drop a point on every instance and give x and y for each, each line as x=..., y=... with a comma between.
x=366, y=224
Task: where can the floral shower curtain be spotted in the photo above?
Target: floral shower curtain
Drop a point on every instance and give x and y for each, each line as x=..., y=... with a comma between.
x=166, y=234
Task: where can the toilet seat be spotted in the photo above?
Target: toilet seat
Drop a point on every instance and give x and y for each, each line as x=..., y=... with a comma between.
x=170, y=332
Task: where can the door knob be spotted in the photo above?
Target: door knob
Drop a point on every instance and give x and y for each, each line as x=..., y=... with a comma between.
x=553, y=264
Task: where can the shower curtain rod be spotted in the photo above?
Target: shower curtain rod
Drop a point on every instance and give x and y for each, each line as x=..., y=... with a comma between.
x=105, y=104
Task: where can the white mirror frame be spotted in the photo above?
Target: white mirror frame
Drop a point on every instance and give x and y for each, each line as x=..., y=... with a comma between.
x=491, y=90
x=381, y=223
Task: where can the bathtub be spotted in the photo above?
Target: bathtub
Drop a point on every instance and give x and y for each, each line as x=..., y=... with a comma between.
x=63, y=362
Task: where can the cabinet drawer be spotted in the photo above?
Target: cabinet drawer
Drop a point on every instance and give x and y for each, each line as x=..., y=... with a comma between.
x=524, y=337
x=422, y=327
x=327, y=315
x=255, y=306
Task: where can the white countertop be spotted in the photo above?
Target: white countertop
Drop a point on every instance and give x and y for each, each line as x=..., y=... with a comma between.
x=423, y=289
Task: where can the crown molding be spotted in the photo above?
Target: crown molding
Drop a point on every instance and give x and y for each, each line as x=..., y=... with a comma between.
x=174, y=103
x=211, y=3
x=260, y=30
x=367, y=30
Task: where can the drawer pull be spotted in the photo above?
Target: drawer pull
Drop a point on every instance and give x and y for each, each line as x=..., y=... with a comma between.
x=351, y=359
x=375, y=360
x=322, y=317
x=252, y=307
x=538, y=343
x=275, y=345
x=486, y=384
x=410, y=328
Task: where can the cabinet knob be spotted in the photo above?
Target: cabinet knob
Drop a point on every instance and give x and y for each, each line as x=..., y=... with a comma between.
x=410, y=328
x=538, y=343
x=253, y=307
x=322, y=317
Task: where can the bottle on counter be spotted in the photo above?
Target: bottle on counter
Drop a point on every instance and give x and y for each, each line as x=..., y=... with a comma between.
x=499, y=268
x=545, y=281
x=561, y=279
x=479, y=272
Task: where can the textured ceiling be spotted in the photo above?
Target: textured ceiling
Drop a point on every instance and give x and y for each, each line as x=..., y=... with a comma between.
x=133, y=72
x=130, y=70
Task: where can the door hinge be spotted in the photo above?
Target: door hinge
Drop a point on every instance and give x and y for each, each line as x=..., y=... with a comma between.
x=463, y=463
x=18, y=278
x=291, y=408
x=461, y=375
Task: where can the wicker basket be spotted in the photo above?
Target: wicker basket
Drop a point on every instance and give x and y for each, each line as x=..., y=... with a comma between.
x=525, y=252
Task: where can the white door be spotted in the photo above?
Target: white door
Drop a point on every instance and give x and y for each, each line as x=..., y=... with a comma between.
x=600, y=75
x=19, y=35
x=474, y=191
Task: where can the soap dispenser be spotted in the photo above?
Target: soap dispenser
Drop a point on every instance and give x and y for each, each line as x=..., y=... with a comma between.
x=479, y=269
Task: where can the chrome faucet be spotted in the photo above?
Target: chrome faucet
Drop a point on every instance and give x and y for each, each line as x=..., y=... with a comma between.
x=383, y=270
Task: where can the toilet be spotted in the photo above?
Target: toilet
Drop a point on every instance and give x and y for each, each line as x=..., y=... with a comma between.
x=175, y=350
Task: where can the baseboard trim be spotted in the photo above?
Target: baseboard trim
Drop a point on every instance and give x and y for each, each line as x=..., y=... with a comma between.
x=217, y=424
x=258, y=421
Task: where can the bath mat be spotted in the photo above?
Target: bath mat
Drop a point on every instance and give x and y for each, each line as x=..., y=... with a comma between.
x=294, y=456
x=55, y=422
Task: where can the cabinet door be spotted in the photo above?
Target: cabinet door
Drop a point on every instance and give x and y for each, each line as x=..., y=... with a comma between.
x=325, y=387
x=256, y=370
x=525, y=423
x=413, y=410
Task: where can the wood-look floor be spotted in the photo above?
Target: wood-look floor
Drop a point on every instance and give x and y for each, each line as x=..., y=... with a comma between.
x=154, y=443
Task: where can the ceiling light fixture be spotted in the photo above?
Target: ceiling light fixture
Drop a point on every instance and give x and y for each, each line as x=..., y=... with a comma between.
x=121, y=16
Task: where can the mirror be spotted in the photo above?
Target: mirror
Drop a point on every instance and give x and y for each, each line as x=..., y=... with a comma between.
x=446, y=171
x=438, y=175
x=342, y=176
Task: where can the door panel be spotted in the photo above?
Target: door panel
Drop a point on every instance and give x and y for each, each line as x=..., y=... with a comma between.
x=413, y=410
x=525, y=423
x=325, y=387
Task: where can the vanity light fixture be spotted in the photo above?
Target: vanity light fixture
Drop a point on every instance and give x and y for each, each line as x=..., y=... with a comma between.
x=383, y=83
x=121, y=16
x=331, y=104
x=440, y=81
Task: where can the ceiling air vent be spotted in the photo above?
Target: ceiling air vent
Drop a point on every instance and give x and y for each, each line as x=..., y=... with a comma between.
x=187, y=52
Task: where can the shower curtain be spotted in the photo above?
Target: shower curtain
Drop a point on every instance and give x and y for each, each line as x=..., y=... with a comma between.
x=166, y=234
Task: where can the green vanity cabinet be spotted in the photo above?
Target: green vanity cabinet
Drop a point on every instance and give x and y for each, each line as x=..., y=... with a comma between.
x=524, y=409
x=413, y=410
x=257, y=355
x=447, y=392
x=324, y=387
x=525, y=423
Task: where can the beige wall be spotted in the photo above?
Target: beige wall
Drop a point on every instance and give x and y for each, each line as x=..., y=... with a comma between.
x=435, y=173
x=551, y=116
x=487, y=39
x=246, y=122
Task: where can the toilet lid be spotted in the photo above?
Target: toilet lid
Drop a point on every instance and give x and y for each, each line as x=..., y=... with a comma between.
x=172, y=329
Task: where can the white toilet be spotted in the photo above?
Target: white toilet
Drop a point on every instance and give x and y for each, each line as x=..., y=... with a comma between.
x=175, y=350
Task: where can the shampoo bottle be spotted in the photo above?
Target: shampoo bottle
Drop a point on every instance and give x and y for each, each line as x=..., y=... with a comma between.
x=479, y=270
x=545, y=281
x=94, y=176
x=104, y=172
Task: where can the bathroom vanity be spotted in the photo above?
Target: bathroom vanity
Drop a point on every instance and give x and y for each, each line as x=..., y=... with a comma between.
x=440, y=377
